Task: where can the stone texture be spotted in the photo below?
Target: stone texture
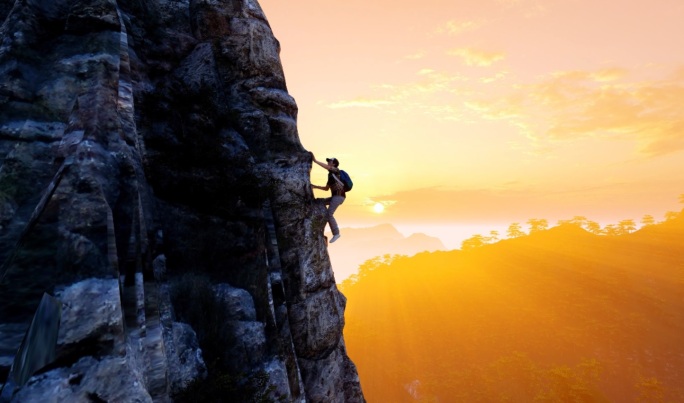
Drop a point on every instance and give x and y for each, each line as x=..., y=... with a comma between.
x=188, y=363
x=326, y=378
x=90, y=379
x=249, y=347
x=91, y=309
x=317, y=323
x=142, y=142
x=237, y=302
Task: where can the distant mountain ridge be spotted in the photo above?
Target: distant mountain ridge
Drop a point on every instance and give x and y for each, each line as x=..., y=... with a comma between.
x=558, y=315
x=360, y=244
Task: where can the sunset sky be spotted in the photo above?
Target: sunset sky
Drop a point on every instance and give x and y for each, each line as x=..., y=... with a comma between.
x=479, y=113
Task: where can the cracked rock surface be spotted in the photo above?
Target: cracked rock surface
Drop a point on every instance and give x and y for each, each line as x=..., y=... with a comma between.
x=153, y=181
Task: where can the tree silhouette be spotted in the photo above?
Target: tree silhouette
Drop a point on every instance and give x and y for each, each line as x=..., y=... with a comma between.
x=515, y=230
x=537, y=224
x=626, y=226
x=474, y=241
x=593, y=227
x=648, y=220
x=671, y=215
x=579, y=220
x=612, y=230
x=493, y=236
x=478, y=240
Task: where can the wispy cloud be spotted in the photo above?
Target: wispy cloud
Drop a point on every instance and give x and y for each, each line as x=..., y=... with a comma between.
x=372, y=201
x=517, y=202
x=493, y=111
x=455, y=27
x=611, y=74
x=678, y=75
x=360, y=103
x=415, y=56
x=527, y=8
x=431, y=93
x=507, y=204
x=602, y=104
x=496, y=77
x=606, y=104
x=476, y=57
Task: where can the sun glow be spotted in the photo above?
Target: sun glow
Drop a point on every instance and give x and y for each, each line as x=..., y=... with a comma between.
x=378, y=208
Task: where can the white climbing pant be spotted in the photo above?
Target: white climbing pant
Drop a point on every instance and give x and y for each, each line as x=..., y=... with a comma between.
x=333, y=203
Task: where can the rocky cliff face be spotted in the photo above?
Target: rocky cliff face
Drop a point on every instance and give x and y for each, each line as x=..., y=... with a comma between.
x=152, y=180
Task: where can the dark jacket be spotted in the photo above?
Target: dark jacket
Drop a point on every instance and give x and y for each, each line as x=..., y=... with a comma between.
x=336, y=188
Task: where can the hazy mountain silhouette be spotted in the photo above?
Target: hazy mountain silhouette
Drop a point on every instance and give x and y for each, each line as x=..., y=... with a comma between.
x=559, y=315
x=360, y=244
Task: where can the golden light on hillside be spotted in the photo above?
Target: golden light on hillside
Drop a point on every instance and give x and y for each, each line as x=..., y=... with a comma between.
x=557, y=315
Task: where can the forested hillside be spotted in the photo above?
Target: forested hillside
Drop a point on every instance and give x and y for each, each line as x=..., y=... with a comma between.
x=558, y=315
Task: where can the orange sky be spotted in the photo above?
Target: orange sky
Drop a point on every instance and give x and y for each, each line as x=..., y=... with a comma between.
x=486, y=112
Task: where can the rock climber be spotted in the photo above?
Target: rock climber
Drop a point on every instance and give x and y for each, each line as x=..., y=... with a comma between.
x=336, y=189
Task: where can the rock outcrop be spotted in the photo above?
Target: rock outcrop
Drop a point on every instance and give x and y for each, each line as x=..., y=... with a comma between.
x=152, y=180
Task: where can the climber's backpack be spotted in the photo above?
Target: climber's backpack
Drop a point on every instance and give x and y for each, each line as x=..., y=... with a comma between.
x=346, y=181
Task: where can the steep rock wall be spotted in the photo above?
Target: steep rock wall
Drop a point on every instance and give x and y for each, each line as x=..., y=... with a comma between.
x=152, y=180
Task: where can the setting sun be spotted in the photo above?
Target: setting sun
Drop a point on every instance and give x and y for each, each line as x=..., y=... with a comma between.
x=484, y=113
x=378, y=208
